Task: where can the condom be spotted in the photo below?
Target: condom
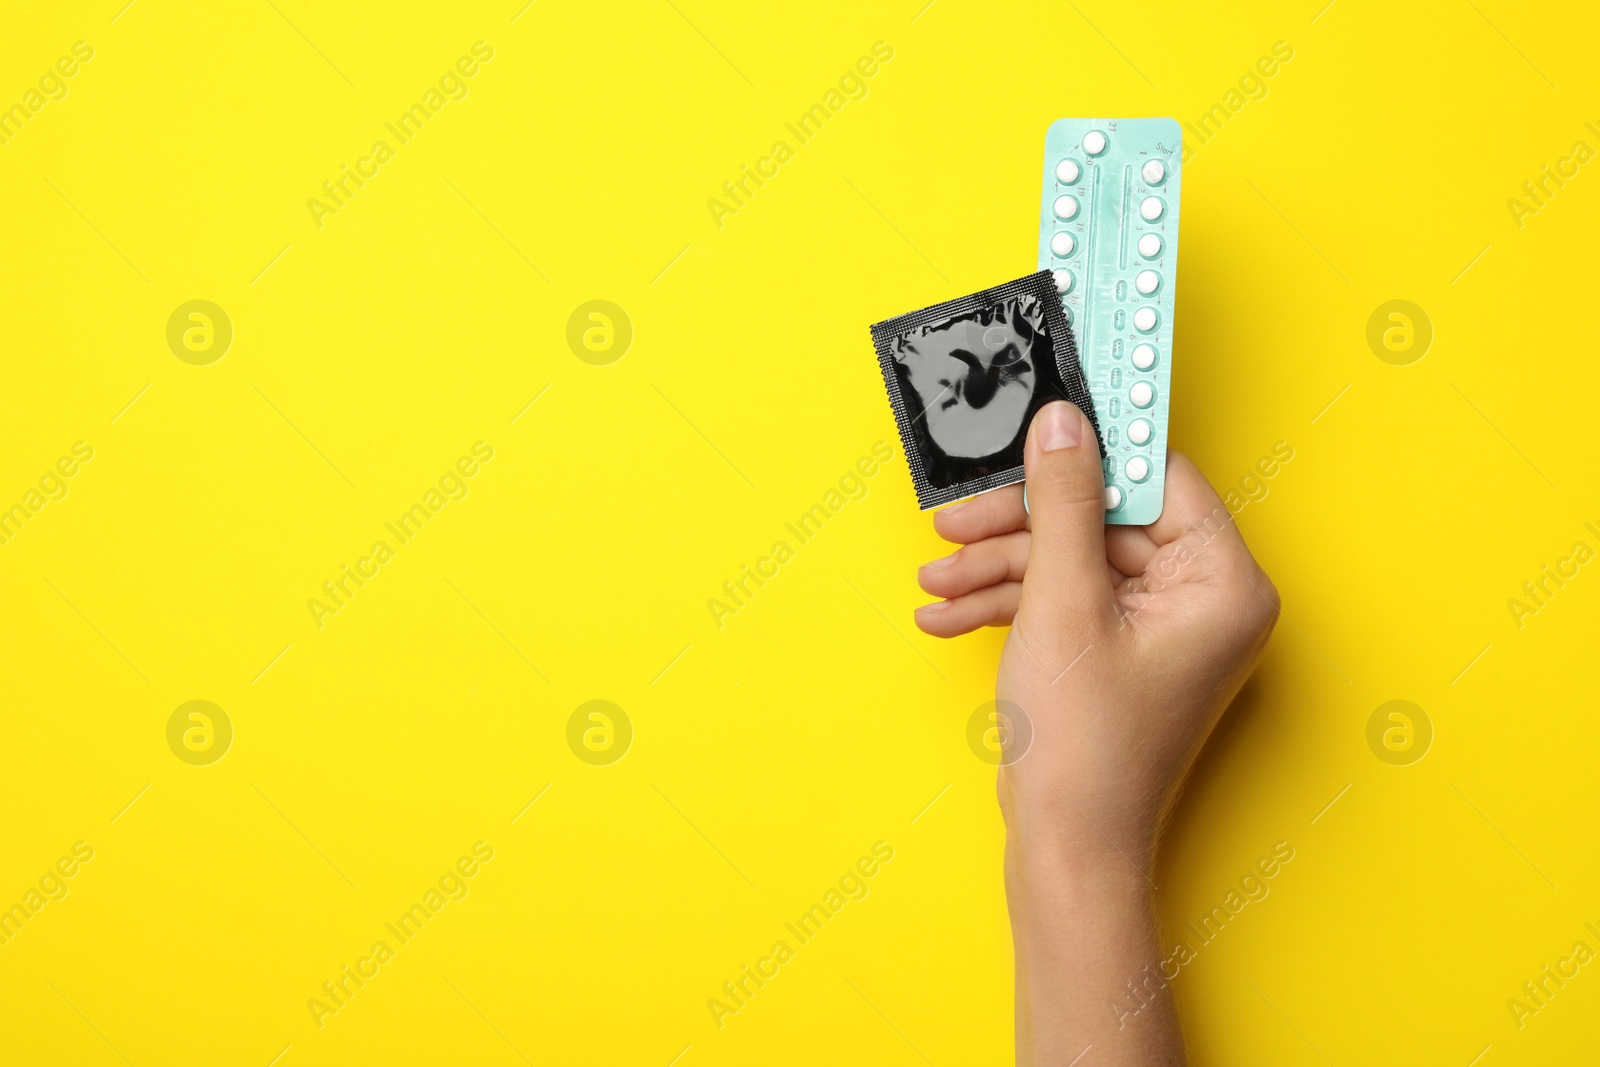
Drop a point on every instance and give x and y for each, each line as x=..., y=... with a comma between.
x=965, y=378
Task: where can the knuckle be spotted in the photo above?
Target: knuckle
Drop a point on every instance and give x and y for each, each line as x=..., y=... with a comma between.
x=1255, y=600
x=1271, y=599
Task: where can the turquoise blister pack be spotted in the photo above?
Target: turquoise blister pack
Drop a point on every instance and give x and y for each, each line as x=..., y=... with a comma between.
x=1108, y=233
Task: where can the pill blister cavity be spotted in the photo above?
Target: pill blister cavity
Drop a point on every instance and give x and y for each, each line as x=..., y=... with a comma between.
x=1139, y=431
x=1150, y=246
x=1142, y=395
x=1063, y=281
x=1147, y=282
x=1067, y=171
x=1154, y=172
x=1094, y=142
x=1144, y=356
x=1063, y=245
x=1113, y=498
x=1151, y=208
x=1144, y=320
x=1066, y=207
x=1136, y=469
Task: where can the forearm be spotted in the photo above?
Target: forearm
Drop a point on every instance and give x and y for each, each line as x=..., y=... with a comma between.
x=1088, y=965
x=1125, y=643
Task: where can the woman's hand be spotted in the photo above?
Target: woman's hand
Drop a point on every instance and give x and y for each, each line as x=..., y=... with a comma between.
x=1127, y=643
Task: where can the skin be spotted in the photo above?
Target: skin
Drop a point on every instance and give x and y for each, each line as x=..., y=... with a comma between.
x=1126, y=645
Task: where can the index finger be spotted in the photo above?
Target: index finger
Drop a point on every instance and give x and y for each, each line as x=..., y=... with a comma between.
x=998, y=511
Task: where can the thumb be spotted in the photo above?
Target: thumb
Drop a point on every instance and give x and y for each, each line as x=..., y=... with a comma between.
x=1066, y=511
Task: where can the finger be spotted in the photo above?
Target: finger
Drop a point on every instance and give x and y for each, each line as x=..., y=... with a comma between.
x=994, y=606
x=982, y=563
x=1190, y=505
x=994, y=560
x=1129, y=548
x=1067, y=513
x=996, y=512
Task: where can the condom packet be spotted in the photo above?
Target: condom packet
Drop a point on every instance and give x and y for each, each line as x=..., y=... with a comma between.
x=965, y=378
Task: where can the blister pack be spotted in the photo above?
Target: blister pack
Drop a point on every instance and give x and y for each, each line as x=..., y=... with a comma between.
x=1108, y=233
x=965, y=378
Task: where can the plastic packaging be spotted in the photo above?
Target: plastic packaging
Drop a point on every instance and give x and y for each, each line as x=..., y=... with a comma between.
x=965, y=378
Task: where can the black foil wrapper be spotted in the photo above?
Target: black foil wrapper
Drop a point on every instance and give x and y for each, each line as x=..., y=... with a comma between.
x=965, y=378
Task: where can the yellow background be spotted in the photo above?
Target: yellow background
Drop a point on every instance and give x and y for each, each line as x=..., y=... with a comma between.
x=768, y=754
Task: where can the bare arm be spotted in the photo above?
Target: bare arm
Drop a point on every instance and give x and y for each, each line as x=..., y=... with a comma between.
x=1127, y=643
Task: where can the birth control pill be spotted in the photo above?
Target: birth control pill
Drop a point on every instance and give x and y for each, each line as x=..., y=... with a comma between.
x=1067, y=171
x=1063, y=281
x=1147, y=282
x=1139, y=431
x=1144, y=356
x=1063, y=244
x=1142, y=395
x=1136, y=469
x=1150, y=208
x=1066, y=207
x=1150, y=246
x=1094, y=142
x=1155, y=172
x=1144, y=320
x=1113, y=498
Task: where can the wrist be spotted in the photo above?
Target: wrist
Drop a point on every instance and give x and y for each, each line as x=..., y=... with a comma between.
x=1053, y=861
x=1085, y=837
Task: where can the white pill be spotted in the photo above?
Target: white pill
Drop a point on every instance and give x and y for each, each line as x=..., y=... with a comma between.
x=1137, y=469
x=1147, y=282
x=1062, y=244
x=1139, y=431
x=1067, y=171
x=1150, y=208
x=1155, y=172
x=1150, y=246
x=1066, y=207
x=1094, y=142
x=1142, y=395
x=1063, y=281
x=1144, y=320
x=1113, y=498
x=1144, y=356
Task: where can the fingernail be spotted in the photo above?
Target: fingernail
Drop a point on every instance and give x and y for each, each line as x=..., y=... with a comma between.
x=939, y=564
x=1061, y=427
x=953, y=508
x=937, y=605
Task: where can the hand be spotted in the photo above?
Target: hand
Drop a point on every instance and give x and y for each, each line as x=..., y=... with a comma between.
x=1127, y=642
x=1126, y=645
